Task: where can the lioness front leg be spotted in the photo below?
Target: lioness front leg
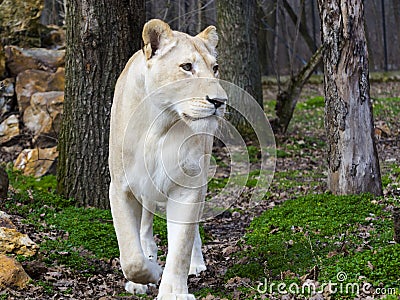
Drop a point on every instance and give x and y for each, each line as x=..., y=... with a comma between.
x=197, y=264
x=146, y=231
x=182, y=220
x=127, y=213
x=174, y=280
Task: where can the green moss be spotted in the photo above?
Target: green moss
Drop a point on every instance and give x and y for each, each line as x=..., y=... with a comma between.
x=88, y=233
x=217, y=183
x=318, y=101
x=282, y=154
x=380, y=267
x=87, y=227
x=304, y=232
x=386, y=107
x=254, y=154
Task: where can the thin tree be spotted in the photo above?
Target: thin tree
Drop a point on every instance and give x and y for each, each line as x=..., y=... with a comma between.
x=238, y=50
x=101, y=37
x=287, y=97
x=352, y=157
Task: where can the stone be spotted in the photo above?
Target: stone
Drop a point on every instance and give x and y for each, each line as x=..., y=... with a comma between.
x=14, y=242
x=37, y=162
x=9, y=129
x=28, y=83
x=3, y=187
x=12, y=274
x=43, y=117
x=57, y=80
x=7, y=93
x=19, y=59
x=5, y=220
x=10, y=153
x=20, y=22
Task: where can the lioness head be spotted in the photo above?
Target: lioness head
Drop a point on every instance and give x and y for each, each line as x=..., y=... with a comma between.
x=189, y=63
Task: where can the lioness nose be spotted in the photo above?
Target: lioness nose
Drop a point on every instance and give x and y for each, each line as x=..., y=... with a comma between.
x=216, y=101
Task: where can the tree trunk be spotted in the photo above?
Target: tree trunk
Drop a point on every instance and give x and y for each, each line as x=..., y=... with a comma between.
x=238, y=50
x=287, y=99
x=352, y=157
x=396, y=224
x=101, y=37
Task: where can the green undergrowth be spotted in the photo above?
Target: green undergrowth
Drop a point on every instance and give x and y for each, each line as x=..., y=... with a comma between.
x=74, y=236
x=391, y=176
x=251, y=180
x=384, y=107
x=310, y=103
x=350, y=234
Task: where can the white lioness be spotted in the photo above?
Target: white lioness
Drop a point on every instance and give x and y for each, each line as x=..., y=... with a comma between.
x=165, y=111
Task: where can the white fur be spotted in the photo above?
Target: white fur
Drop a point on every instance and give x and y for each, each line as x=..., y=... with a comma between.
x=160, y=143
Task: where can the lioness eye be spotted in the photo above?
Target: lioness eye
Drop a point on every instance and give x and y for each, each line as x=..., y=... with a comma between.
x=215, y=68
x=187, y=67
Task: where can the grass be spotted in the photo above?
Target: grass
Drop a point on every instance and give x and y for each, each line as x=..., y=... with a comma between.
x=392, y=175
x=350, y=234
x=386, y=106
x=312, y=103
x=298, y=234
x=83, y=234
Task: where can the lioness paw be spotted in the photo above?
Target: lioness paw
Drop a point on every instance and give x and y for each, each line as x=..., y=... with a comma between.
x=135, y=288
x=142, y=272
x=196, y=269
x=176, y=297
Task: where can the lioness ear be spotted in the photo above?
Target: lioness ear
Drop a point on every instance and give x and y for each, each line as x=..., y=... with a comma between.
x=210, y=36
x=155, y=34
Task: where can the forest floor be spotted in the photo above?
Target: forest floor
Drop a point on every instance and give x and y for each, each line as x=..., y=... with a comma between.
x=299, y=233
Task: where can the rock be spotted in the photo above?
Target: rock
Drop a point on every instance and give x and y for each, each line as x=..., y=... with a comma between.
x=5, y=220
x=14, y=242
x=12, y=274
x=3, y=187
x=20, y=22
x=55, y=39
x=9, y=129
x=43, y=117
x=2, y=62
x=30, y=82
x=57, y=80
x=37, y=162
x=7, y=93
x=19, y=59
x=10, y=153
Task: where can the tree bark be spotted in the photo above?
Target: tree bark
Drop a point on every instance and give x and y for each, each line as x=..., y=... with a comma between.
x=353, y=165
x=238, y=50
x=396, y=224
x=101, y=37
